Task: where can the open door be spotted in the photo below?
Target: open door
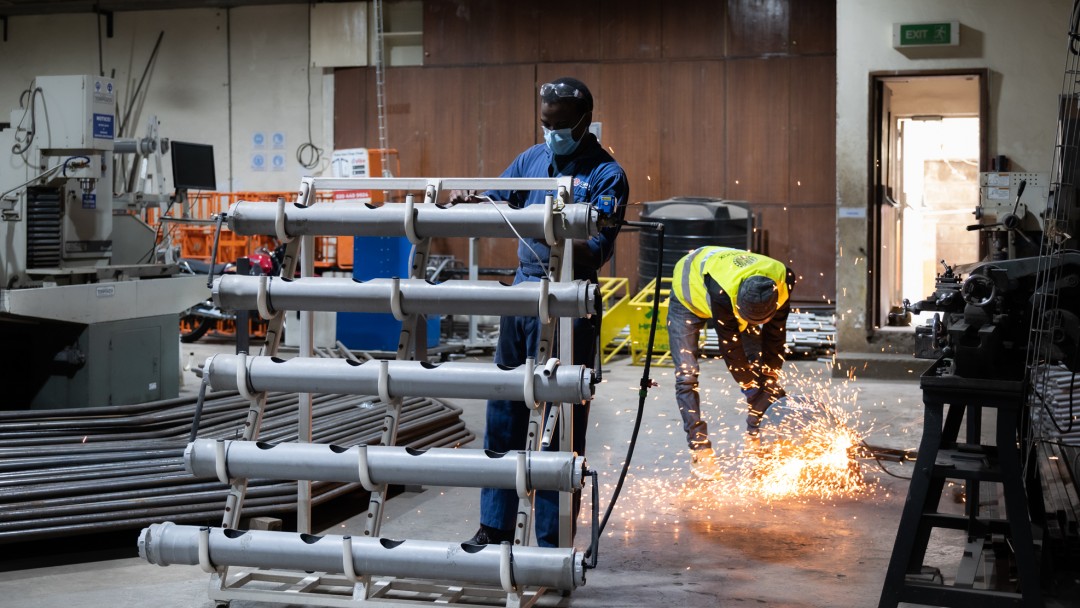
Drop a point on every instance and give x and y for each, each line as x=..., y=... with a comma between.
x=928, y=150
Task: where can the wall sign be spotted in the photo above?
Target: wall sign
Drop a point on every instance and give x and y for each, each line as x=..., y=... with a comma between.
x=912, y=35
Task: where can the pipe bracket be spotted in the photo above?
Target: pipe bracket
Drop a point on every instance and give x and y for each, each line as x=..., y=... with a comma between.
x=279, y=220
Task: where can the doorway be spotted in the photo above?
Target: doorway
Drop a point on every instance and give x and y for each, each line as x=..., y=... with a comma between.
x=929, y=147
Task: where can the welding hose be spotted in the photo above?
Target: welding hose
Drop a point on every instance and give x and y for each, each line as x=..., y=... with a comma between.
x=643, y=392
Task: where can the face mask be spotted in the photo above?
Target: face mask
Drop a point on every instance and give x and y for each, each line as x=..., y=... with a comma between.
x=561, y=141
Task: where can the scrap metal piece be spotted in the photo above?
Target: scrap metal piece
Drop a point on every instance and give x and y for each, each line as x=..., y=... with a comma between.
x=168, y=543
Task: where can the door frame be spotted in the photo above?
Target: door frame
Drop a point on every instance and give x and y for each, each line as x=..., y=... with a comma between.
x=876, y=195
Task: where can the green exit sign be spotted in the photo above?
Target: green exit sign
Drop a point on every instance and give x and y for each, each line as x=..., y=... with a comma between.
x=909, y=35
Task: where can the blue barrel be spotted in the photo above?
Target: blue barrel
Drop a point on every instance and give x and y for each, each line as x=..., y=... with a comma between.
x=376, y=257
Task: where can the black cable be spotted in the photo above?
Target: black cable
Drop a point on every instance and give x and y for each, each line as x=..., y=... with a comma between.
x=100, y=55
x=149, y=255
x=308, y=154
x=644, y=386
x=30, y=95
x=1050, y=413
x=877, y=459
x=64, y=168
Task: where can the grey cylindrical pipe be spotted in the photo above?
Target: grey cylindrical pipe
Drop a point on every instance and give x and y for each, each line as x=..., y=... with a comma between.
x=168, y=543
x=455, y=379
x=131, y=146
x=576, y=221
x=417, y=296
x=562, y=471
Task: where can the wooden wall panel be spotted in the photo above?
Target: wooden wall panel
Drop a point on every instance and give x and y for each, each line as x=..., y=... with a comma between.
x=569, y=30
x=630, y=29
x=757, y=149
x=693, y=34
x=773, y=230
x=693, y=156
x=811, y=249
x=626, y=104
x=350, y=108
x=758, y=128
x=756, y=27
x=813, y=27
x=507, y=122
x=480, y=32
x=813, y=130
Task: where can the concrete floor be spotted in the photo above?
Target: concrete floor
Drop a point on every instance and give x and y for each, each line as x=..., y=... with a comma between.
x=671, y=541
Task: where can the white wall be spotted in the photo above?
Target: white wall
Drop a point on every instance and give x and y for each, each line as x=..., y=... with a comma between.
x=251, y=59
x=1023, y=44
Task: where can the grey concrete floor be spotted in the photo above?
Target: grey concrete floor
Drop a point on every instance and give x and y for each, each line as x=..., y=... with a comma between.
x=671, y=541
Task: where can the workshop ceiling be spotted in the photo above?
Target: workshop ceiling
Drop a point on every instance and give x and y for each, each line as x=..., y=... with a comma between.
x=49, y=7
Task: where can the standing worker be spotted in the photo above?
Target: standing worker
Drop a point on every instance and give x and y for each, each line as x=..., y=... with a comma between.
x=569, y=149
x=747, y=297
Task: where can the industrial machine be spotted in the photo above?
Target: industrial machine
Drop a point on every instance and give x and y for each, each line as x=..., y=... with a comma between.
x=88, y=316
x=1005, y=338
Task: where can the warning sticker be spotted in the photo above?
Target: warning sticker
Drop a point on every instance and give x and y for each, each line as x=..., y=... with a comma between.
x=103, y=126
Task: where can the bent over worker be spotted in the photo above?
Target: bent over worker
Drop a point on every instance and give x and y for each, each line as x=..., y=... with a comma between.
x=741, y=293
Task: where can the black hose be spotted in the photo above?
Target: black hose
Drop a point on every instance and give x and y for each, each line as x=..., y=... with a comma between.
x=643, y=392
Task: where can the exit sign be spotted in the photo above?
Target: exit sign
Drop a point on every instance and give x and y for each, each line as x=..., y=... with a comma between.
x=910, y=35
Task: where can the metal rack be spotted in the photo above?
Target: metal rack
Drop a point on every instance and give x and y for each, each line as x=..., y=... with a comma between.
x=286, y=567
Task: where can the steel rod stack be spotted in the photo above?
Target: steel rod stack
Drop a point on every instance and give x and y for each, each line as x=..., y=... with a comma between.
x=82, y=471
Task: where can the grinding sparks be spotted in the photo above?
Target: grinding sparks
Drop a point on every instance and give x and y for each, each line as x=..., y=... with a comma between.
x=810, y=451
x=812, y=454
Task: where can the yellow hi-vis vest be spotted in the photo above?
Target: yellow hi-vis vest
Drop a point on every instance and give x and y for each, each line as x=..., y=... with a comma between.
x=728, y=267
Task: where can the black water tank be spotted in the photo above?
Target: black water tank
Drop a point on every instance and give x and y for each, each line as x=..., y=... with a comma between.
x=691, y=222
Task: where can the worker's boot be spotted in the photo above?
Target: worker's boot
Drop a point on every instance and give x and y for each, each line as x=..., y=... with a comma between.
x=487, y=535
x=752, y=444
x=703, y=464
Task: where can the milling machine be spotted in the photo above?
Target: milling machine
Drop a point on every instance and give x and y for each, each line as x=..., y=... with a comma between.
x=87, y=317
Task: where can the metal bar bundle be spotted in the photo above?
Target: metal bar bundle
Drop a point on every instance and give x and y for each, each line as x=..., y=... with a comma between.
x=168, y=543
x=1057, y=411
x=91, y=470
x=530, y=470
x=495, y=220
x=389, y=379
x=408, y=296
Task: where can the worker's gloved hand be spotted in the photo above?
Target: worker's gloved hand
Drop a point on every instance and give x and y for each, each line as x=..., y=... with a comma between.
x=773, y=389
x=759, y=399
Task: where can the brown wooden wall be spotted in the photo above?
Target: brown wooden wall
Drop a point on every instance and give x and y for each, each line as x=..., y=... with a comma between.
x=728, y=99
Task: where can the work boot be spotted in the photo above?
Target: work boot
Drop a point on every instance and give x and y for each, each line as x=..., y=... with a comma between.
x=487, y=535
x=752, y=443
x=703, y=464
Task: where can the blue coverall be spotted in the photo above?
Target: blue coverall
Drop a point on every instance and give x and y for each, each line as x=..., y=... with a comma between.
x=596, y=175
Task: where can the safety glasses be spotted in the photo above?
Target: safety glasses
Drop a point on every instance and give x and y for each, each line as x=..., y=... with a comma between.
x=559, y=89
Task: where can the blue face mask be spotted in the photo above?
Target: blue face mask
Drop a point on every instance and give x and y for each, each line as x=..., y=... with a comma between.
x=561, y=141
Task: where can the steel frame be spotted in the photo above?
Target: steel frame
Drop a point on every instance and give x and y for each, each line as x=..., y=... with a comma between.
x=555, y=222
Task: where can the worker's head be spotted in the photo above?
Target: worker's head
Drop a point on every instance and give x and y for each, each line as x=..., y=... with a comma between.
x=757, y=299
x=565, y=113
